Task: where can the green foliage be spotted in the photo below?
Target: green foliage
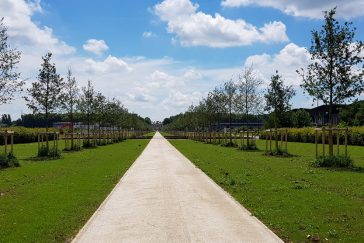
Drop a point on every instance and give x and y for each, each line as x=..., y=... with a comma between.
x=338, y=161
x=46, y=94
x=277, y=99
x=89, y=144
x=8, y=160
x=50, y=152
x=24, y=134
x=336, y=72
x=307, y=135
x=353, y=115
x=9, y=59
x=301, y=118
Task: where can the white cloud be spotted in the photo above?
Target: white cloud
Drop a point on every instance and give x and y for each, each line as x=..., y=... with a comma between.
x=23, y=31
x=307, y=8
x=148, y=34
x=95, y=46
x=110, y=64
x=287, y=61
x=193, y=28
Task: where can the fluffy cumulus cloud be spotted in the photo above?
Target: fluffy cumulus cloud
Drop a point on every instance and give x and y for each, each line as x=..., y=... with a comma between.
x=307, y=8
x=23, y=31
x=110, y=64
x=287, y=61
x=195, y=28
x=95, y=46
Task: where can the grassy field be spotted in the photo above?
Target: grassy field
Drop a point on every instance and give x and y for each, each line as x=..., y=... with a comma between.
x=292, y=198
x=49, y=201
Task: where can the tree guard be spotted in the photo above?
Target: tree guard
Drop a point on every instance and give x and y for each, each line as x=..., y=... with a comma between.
x=335, y=131
x=279, y=135
x=6, y=134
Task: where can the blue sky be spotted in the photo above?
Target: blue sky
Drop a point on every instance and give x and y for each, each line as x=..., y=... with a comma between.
x=158, y=57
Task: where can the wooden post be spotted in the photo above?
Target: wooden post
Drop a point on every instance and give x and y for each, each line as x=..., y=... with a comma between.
x=286, y=140
x=6, y=145
x=270, y=140
x=323, y=142
x=12, y=144
x=316, y=152
x=346, y=142
x=338, y=142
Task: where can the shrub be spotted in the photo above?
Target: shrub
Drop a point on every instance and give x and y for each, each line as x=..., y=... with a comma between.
x=75, y=147
x=229, y=144
x=338, y=161
x=250, y=146
x=8, y=161
x=88, y=144
x=44, y=152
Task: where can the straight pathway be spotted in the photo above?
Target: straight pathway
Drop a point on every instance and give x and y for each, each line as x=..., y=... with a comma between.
x=163, y=197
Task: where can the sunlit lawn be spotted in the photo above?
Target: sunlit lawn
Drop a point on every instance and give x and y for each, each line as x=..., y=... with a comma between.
x=49, y=201
x=291, y=197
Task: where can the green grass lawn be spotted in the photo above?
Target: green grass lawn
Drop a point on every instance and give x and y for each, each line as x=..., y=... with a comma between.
x=291, y=197
x=49, y=201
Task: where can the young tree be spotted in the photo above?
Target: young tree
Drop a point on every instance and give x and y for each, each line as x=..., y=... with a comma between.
x=229, y=92
x=334, y=75
x=46, y=94
x=86, y=106
x=100, y=105
x=249, y=99
x=9, y=58
x=277, y=99
x=70, y=99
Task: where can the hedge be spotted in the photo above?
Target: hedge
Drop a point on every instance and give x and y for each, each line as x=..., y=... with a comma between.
x=24, y=134
x=307, y=135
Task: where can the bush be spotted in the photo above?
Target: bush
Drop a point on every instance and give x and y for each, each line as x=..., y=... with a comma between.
x=229, y=144
x=338, y=161
x=89, y=144
x=48, y=152
x=75, y=147
x=26, y=135
x=8, y=161
x=250, y=146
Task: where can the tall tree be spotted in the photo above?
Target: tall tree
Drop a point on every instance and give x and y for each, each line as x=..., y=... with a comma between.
x=9, y=58
x=100, y=104
x=86, y=106
x=229, y=91
x=249, y=99
x=334, y=75
x=278, y=99
x=71, y=93
x=46, y=95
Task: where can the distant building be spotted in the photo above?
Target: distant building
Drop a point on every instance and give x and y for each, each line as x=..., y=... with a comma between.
x=320, y=114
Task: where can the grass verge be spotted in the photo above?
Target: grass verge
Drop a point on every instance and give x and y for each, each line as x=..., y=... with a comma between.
x=49, y=201
x=297, y=201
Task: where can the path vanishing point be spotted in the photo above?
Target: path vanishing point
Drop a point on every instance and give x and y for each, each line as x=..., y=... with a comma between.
x=163, y=197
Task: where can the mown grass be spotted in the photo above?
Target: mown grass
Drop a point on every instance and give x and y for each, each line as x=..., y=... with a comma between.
x=291, y=197
x=49, y=201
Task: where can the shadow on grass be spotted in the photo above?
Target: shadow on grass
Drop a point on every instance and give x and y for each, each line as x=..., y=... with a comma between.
x=355, y=169
x=36, y=158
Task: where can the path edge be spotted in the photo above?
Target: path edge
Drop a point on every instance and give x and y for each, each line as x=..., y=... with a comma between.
x=97, y=211
x=274, y=235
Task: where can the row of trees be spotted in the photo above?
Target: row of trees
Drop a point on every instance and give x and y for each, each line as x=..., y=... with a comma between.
x=51, y=94
x=334, y=76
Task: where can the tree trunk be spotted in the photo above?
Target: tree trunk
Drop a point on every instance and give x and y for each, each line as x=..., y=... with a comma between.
x=47, y=140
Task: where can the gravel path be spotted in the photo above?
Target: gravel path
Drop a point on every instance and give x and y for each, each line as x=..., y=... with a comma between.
x=163, y=197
